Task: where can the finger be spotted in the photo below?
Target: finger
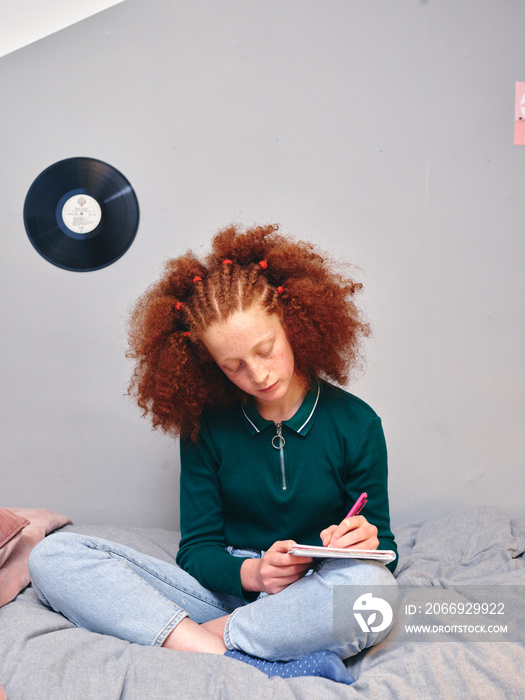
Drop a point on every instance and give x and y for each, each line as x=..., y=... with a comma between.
x=291, y=560
x=283, y=558
x=326, y=534
x=352, y=536
x=290, y=572
x=347, y=525
x=364, y=537
x=282, y=582
x=275, y=580
x=282, y=546
x=285, y=564
x=370, y=543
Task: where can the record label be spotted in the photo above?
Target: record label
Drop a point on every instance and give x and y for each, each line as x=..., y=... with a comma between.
x=81, y=214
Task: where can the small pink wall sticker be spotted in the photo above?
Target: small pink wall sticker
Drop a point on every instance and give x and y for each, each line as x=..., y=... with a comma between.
x=519, y=115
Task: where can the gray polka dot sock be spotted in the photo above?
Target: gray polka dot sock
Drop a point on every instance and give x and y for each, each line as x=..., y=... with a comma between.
x=325, y=664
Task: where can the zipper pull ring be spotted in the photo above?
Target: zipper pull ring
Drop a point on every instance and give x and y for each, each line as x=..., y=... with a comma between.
x=278, y=440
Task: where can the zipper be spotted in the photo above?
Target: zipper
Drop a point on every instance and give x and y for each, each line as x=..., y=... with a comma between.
x=279, y=442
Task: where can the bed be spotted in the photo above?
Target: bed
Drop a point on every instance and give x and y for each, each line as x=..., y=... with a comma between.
x=44, y=657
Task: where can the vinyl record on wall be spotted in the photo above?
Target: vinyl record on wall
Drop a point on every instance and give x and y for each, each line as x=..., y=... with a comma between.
x=81, y=214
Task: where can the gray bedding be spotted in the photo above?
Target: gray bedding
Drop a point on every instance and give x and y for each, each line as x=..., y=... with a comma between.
x=44, y=657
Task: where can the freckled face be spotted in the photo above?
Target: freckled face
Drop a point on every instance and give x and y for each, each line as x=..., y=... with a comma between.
x=252, y=349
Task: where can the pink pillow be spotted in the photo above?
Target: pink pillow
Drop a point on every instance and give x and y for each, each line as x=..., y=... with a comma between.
x=14, y=574
x=11, y=526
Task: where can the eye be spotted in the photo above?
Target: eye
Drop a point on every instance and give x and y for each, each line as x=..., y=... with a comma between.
x=265, y=351
x=232, y=370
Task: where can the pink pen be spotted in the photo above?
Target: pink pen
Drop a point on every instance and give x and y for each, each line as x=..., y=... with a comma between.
x=358, y=505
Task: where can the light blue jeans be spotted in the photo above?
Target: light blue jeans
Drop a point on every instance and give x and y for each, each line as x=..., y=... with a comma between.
x=111, y=589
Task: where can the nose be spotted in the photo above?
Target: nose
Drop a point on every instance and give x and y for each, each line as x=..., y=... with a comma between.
x=258, y=372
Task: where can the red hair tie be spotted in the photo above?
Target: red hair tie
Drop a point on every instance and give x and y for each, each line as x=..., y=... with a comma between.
x=227, y=262
x=263, y=264
x=197, y=279
x=187, y=334
x=179, y=305
x=280, y=290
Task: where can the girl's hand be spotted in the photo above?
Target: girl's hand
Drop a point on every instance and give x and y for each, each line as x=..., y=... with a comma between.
x=275, y=570
x=351, y=533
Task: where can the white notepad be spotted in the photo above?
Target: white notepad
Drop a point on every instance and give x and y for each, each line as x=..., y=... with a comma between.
x=305, y=550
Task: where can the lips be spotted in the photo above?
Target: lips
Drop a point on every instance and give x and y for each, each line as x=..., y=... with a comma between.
x=268, y=388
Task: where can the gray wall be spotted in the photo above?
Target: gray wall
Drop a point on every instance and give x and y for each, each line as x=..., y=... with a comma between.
x=382, y=131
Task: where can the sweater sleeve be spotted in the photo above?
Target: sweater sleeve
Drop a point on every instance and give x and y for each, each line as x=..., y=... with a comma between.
x=368, y=471
x=202, y=550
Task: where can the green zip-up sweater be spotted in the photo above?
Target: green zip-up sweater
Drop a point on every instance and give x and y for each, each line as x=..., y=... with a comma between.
x=240, y=488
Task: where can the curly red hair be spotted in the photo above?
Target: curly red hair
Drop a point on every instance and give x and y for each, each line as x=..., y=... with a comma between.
x=175, y=378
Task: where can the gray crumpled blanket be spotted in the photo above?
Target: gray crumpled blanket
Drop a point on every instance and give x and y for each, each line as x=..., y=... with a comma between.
x=44, y=657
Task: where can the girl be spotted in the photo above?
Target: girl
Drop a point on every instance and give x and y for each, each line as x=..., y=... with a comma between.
x=233, y=353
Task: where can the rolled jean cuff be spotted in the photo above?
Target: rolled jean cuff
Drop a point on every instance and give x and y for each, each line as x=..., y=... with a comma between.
x=168, y=629
x=227, y=638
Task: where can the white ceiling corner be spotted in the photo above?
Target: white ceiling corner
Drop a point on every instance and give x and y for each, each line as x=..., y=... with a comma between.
x=25, y=21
